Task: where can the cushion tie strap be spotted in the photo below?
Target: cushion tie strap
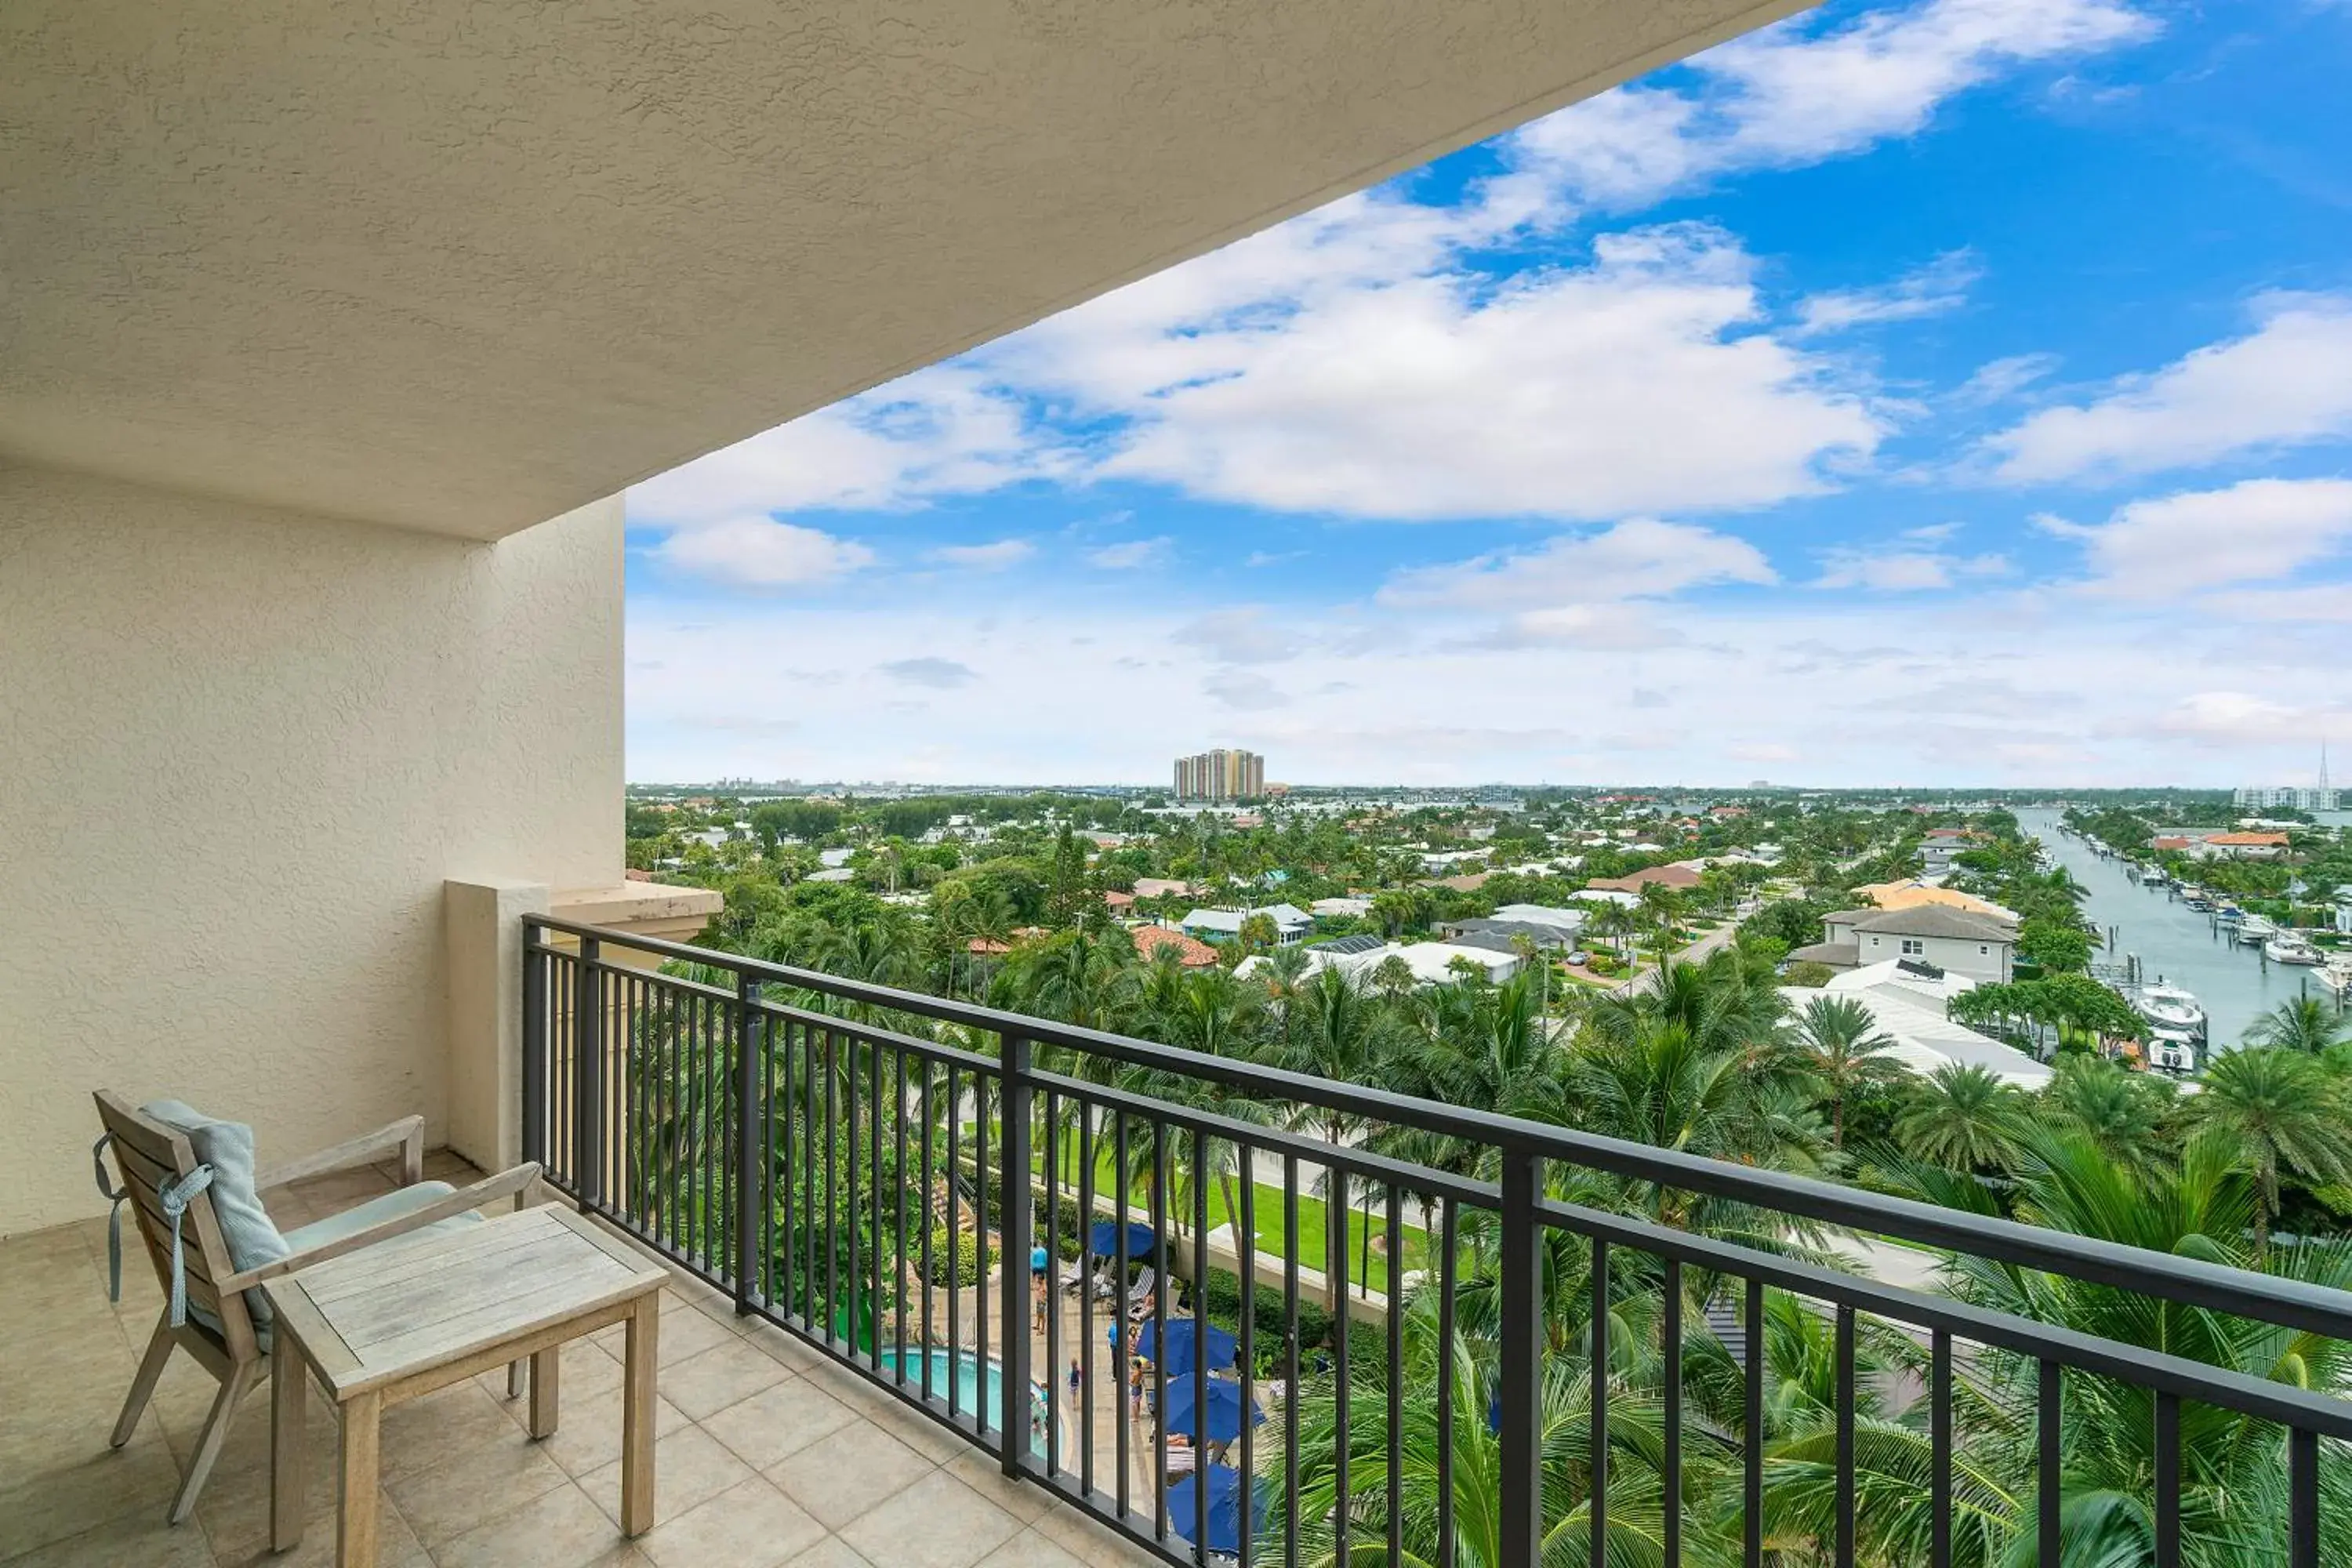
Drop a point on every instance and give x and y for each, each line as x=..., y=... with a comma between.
x=113, y=1218
x=175, y=1199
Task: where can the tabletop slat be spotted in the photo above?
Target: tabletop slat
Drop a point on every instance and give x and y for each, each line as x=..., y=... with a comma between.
x=388, y=1312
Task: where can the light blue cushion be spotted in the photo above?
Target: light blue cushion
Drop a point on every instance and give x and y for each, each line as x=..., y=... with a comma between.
x=334, y=1227
x=228, y=1147
x=375, y=1211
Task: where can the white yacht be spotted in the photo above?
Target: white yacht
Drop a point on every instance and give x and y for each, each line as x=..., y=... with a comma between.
x=2171, y=1051
x=2337, y=975
x=2288, y=947
x=2169, y=1007
x=2255, y=930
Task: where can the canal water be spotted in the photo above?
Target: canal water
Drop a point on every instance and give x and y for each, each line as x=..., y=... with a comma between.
x=2172, y=940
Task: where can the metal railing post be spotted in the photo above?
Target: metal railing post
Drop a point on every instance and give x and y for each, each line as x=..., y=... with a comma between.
x=751, y=1172
x=535, y=1045
x=588, y=1065
x=1521, y=1436
x=1012, y=1197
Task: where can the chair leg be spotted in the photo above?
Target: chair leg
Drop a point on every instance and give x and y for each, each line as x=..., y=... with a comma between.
x=233, y=1388
x=143, y=1386
x=514, y=1378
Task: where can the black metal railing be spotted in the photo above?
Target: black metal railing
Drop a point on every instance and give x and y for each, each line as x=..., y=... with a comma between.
x=1446, y=1359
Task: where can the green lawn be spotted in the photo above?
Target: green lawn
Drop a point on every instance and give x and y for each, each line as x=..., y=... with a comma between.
x=1314, y=1218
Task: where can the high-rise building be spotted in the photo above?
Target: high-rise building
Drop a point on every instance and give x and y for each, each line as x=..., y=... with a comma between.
x=1219, y=776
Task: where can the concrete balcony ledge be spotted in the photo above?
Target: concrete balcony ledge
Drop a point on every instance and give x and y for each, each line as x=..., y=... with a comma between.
x=641, y=908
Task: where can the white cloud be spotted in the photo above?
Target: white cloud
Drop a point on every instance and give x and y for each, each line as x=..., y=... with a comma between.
x=940, y=674
x=2284, y=384
x=1242, y=635
x=946, y=430
x=991, y=557
x=1933, y=290
x=2240, y=718
x=1639, y=558
x=1132, y=555
x=753, y=551
x=1596, y=629
x=1794, y=94
x=1997, y=380
x=1244, y=692
x=1905, y=571
x=2254, y=531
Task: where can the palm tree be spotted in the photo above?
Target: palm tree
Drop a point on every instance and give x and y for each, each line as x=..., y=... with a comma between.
x=1849, y=1052
x=1660, y=903
x=2120, y=1110
x=1964, y=1119
x=1343, y=1033
x=2274, y=1110
x=2302, y=1023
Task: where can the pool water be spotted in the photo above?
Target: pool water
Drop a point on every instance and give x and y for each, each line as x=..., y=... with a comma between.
x=978, y=1385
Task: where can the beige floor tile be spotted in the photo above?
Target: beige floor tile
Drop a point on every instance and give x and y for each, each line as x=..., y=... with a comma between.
x=1031, y=1550
x=831, y=1552
x=690, y=1468
x=705, y=1384
x=237, y=1523
x=588, y=1431
x=561, y=1529
x=462, y=1493
x=985, y=1475
x=69, y=1492
x=779, y=1343
x=143, y=1539
x=426, y=1432
x=888, y=1412
x=778, y=1422
x=1089, y=1542
x=843, y=1474
x=751, y=1525
x=938, y=1522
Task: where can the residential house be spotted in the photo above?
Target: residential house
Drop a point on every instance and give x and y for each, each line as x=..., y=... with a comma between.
x=1348, y=908
x=1193, y=954
x=1290, y=923
x=1162, y=888
x=1681, y=878
x=1910, y=893
x=1976, y=946
x=1906, y=1001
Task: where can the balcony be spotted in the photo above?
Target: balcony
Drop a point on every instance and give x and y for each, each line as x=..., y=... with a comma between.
x=820, y=1162
x=768, y=1454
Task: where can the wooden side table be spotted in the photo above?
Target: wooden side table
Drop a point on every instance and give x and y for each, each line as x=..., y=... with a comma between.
x=406, y=1316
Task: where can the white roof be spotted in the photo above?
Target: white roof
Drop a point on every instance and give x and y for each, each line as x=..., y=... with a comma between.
x=1924, y=1038
x=1542, y=915
x=1230, y=921
x=1606, y=896
x=1431, y=962
x=1347, y=905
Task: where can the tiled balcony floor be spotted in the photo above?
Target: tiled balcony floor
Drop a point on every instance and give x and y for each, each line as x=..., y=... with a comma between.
x=768, y=1455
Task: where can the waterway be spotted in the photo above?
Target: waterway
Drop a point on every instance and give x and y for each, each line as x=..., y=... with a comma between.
x=2172, y=940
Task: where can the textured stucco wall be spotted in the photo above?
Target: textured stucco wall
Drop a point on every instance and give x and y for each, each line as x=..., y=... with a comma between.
x=239, y=754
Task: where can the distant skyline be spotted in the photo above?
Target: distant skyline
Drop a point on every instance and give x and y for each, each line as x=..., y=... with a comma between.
x=1942, y=393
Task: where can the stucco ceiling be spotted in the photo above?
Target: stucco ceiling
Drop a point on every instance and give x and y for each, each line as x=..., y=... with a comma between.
x=462, y=266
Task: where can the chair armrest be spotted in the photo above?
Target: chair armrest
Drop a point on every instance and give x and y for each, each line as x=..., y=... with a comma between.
x=407, y=1135
x=511, y=1184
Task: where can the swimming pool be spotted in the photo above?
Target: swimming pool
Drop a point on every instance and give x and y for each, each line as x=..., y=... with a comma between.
x=978, y=1385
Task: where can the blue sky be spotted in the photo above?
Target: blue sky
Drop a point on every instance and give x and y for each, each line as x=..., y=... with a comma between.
x=1945, y=393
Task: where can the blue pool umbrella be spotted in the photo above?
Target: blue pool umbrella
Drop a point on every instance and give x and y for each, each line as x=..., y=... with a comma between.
x=1224, y=1410
x=1102, y=1241
x=1224, y=1507
x=1216, y=1347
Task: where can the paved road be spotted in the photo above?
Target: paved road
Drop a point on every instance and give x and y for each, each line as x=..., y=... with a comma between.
x=1696, y=951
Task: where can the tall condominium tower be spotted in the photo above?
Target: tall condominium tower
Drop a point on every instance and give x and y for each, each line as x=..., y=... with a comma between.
x=1221, y=776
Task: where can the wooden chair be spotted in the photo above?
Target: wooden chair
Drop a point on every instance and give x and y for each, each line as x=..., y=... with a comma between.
x=159, y=1171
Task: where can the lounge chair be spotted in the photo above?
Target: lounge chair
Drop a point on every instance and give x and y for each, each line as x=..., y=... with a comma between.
x=191, y=1182
x=1140, y=1291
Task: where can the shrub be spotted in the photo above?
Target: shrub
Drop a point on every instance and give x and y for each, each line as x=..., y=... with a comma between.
x=959, y=1258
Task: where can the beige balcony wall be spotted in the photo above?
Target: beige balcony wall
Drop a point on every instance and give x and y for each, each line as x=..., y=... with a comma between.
x=240, y=755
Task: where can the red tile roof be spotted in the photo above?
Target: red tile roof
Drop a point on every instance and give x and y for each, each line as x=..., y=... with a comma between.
x=1191, y=953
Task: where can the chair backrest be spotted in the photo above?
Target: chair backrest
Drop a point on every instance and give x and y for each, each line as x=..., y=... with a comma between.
x=150, y=1157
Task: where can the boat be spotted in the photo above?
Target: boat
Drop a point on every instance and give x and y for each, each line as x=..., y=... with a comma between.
x=2197, y=898
x=2169, y=1007
x=2255, y=930
x=2153, y=876
x=2337, y=975
x=2171, y=1051
x=2288, y=947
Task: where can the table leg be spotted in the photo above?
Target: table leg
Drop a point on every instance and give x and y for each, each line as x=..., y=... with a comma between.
x=290, y=1391
x=637, y=1415
x=355, y=1519
x=545, y=1386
